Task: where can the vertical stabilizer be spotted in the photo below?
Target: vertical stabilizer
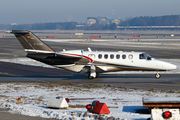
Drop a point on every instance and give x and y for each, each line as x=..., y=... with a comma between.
x=31, y=43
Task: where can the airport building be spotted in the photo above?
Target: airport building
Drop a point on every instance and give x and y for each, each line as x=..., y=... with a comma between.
x=14, y=23
x=101, y=20
x=91, y=22
x=116, y=21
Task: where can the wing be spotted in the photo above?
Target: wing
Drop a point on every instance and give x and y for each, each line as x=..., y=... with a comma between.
x=74, y=58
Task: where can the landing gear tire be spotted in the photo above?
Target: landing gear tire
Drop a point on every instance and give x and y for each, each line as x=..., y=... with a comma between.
x=157, y=75
x=91, y=77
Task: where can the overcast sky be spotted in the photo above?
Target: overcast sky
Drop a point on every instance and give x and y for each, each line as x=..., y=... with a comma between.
x=37, y=11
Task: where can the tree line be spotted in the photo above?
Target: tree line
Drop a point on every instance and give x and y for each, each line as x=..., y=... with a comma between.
x=168, y=20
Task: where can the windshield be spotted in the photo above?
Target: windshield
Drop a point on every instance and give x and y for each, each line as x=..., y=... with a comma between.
x=145, y=56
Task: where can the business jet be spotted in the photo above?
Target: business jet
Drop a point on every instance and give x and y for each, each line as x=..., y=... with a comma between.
x=90, y=62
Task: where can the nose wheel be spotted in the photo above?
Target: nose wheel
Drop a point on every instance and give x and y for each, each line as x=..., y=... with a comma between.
x=157, y=75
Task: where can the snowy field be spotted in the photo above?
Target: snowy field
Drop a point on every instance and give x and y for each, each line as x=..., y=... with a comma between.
x=124, y=102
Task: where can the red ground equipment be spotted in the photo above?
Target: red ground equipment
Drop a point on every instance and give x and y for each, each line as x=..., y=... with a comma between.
x=98, y=108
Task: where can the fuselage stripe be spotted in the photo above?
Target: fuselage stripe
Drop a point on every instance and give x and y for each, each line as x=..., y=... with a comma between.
x=91, y=60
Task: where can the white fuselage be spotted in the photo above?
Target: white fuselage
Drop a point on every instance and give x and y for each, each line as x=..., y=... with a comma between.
x=116, y=61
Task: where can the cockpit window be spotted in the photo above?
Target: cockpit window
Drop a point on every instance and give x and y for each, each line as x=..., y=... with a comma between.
x=141, y=56
x=145, y=56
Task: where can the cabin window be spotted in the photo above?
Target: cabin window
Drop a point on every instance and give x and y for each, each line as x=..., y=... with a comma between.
x=118, y=56
x=112, y=56
x=123, y=56
x=130, y=56
x=99, y=56
x=105, y=56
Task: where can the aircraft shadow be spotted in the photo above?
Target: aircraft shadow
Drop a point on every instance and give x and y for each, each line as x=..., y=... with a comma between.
x=136, y=109
x=77, y=76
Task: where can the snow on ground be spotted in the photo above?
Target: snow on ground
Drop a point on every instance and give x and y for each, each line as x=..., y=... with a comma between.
x=34, y=97
x=28, y=61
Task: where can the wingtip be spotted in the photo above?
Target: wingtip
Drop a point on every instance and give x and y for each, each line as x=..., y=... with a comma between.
x=8, y=31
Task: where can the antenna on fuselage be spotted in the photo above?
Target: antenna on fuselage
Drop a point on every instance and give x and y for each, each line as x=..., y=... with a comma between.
x=89, y=49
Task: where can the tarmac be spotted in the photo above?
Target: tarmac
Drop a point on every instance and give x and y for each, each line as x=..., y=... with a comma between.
x=23, y=73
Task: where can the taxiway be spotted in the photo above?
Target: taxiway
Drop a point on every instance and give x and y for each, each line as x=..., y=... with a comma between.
x=10, y=72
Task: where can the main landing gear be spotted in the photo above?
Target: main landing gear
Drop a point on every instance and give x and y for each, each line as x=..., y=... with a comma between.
x=157, y=75
x=92, y=72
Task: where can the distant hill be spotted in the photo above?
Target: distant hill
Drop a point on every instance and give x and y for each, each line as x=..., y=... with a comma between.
x=168, y=20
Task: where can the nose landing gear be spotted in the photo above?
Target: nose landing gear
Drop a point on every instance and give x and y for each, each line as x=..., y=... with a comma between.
x=157, y=75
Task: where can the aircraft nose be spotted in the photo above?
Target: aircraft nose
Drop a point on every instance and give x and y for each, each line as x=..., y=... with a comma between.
x=174, y=67
x=171, y=66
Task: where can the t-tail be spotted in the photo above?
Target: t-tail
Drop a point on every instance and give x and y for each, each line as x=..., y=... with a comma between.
x=31, y=43
x=35, y=48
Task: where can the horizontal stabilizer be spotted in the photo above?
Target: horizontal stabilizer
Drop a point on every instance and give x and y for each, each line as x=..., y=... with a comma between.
x=20, y=32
